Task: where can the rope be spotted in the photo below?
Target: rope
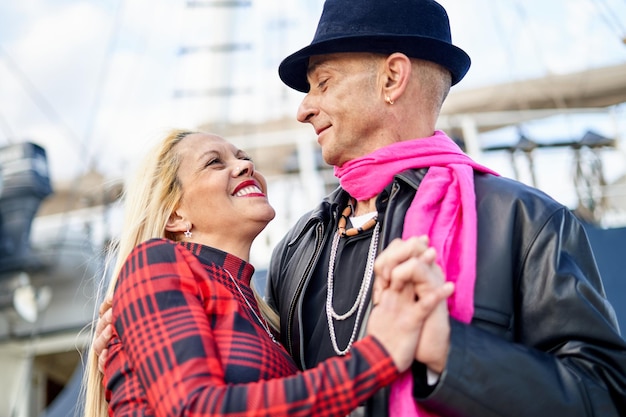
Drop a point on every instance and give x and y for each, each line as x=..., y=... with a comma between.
x=40, y=101
x=610, y=19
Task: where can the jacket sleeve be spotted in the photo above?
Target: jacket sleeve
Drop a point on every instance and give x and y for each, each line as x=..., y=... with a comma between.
x=566, y=357
x=170, y=348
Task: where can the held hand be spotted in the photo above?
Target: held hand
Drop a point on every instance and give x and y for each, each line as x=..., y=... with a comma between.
x=104, y=331
x=398, y=318
x=412, y=263
x=397, y=252
x=425, y=274
x=434, y=343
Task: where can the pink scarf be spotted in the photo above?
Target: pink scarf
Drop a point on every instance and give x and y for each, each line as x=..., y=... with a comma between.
x=443, y=208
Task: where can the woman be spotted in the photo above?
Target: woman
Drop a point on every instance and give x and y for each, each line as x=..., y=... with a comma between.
x=189, y=337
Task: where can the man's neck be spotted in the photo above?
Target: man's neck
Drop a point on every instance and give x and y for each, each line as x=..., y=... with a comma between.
x=365, y=206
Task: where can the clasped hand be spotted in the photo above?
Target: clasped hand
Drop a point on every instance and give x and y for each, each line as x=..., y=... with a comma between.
x=410, y=316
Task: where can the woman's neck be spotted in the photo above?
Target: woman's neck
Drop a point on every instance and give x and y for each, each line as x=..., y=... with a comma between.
x=239, y=247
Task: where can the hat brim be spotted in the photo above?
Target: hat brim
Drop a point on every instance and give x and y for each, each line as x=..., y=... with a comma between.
x=293, y=69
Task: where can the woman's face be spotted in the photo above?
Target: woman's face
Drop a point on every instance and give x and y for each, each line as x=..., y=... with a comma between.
x=224, y=198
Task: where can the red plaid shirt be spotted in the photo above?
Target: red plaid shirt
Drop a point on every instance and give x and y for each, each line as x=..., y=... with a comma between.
x=186, y=343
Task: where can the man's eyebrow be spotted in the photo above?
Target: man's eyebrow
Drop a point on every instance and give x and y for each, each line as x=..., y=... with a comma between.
x=315, y=65
x=312, y=67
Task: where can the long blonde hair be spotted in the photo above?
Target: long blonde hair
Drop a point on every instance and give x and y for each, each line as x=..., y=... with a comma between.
x=150, y=199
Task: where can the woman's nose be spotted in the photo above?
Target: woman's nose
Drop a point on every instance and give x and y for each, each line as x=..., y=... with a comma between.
x=243, y=167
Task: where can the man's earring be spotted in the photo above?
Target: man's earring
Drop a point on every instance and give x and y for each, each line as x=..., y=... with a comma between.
x=388, y=100
x=188, y=232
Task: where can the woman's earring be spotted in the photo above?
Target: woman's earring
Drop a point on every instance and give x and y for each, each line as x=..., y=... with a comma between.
x=388, y=100
x=188, y=232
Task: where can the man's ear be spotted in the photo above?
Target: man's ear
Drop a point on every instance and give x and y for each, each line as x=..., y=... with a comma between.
x=398, y=73
x=176, y=223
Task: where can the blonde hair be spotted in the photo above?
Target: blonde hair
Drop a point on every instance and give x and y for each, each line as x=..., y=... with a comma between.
x=150, y=200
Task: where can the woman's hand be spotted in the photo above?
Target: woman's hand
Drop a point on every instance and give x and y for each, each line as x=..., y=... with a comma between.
x=104, y=331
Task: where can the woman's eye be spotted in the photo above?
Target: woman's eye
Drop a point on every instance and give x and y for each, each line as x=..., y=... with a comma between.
x=213, y=161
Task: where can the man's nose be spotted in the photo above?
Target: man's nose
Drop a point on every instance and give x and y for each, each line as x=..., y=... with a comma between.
x=307, y=110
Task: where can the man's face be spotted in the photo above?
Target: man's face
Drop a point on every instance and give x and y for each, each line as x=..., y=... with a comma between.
x=344, y=104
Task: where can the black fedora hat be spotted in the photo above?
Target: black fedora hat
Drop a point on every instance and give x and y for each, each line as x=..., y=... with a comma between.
x=417, y=28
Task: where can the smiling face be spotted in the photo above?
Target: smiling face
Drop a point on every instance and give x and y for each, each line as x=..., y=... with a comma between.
x=344, y=105
x=223, y=197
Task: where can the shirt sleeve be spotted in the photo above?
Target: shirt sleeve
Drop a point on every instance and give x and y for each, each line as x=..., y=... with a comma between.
x=124, y=393
x=171, y=352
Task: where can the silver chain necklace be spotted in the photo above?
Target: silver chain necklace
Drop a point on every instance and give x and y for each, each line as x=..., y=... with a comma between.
x=262, y=321
x=359, y=303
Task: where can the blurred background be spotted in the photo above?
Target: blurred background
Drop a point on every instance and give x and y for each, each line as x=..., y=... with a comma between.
x=86, y=86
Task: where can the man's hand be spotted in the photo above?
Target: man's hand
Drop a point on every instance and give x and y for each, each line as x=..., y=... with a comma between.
x=413, y=262
x=398, y=318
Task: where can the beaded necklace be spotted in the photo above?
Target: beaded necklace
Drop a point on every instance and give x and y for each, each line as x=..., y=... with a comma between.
x=262, y=321
x=343, y=220
x=359, y=303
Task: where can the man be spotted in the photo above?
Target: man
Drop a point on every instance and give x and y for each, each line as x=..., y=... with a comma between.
x=529, y=331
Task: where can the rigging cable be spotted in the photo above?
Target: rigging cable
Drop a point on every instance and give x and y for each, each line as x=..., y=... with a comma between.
x=101, y=81
x=503, y=38
x=133, y=75
x=558, y=101
x=606, y=14
x=38, y=98
x=6, y=129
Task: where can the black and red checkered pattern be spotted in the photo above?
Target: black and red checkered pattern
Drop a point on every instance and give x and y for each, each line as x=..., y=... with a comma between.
x=186, y=343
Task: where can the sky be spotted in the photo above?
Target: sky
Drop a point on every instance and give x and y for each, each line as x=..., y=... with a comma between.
x=95, y=81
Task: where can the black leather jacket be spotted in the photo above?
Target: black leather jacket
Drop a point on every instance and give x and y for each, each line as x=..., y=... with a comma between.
x=543, y=340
